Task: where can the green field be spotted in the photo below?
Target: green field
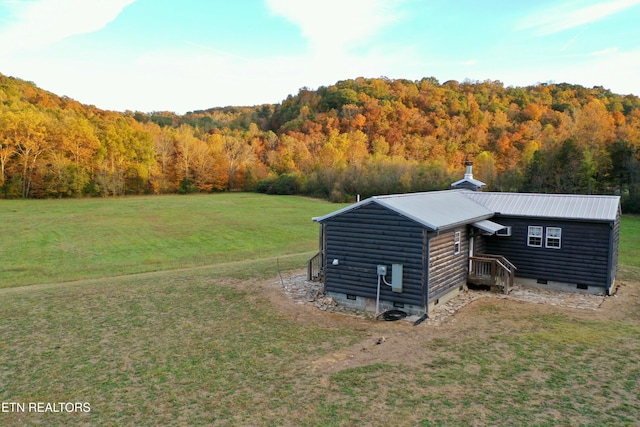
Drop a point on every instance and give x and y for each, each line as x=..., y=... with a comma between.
x=195, y=340
x=630, y=243
x=52, y=241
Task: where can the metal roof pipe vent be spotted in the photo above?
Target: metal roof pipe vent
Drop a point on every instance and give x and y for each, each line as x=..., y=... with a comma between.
x=469, y=173
x=468, y=182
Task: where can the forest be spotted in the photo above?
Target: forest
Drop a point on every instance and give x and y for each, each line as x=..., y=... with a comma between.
x=362, y=136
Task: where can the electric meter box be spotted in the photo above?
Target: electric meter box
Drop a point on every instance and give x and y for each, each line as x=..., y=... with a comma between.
x=396, y=278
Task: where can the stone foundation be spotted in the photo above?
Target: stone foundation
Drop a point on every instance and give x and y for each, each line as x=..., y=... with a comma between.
x=443, y=299
x=369, y=304
x=561, y=286
x=303, y=291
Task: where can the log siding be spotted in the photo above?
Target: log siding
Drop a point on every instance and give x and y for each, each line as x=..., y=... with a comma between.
x=355, y=240
x=369, y=236
x=447, y=270
x=584, y=256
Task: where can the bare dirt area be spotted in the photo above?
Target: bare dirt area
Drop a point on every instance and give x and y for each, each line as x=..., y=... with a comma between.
x=472, y=313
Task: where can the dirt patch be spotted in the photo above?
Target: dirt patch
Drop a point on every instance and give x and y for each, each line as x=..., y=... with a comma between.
x=471, y=313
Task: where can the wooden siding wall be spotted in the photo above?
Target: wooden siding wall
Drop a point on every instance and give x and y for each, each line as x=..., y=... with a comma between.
x=583, y=257
x=446, y=269
x=368, y=236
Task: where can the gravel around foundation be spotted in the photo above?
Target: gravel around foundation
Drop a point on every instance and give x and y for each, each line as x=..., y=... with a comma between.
x=303, y=291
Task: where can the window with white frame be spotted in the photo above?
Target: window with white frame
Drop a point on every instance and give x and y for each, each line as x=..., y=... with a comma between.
x=554, y=236
x=534, y=236
x=456, y=243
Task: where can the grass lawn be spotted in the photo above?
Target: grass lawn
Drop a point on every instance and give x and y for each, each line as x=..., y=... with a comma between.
x=209, y=345
x=178, y=349
x=629, y=256
x=51, y=241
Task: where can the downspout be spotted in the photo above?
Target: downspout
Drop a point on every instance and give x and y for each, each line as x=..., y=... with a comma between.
x=378, y=297
x=425, y=275
x=426, y=268
x=322, y=251
x=610, y=274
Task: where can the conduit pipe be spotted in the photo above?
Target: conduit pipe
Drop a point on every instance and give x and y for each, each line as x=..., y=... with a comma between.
x=378, y=297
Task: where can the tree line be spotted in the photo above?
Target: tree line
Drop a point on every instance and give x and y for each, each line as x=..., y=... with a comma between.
x=360, y=136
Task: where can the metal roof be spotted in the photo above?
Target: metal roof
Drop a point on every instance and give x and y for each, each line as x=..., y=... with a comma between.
x=435, y=209
x=488, y=226
x=561, y=206
x=438, y=210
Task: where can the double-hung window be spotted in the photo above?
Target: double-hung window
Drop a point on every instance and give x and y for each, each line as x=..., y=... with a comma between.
x=554, y=236
x=534, y=236
x=456, y=243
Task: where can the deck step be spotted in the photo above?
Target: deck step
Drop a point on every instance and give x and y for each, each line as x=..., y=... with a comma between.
x=494, y=271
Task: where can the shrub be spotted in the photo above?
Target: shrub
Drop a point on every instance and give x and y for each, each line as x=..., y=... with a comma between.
x=285, y=184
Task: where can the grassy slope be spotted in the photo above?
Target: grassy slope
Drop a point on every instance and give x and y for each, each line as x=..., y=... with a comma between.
x=630, y=242
x=50, y=241
x=199, y=347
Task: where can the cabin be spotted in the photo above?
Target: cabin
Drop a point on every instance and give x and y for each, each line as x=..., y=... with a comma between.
x=416, y=251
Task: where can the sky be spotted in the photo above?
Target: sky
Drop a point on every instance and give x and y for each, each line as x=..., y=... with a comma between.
x=187, y=55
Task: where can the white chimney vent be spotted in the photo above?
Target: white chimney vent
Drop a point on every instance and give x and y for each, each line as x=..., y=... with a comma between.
x=468, y=182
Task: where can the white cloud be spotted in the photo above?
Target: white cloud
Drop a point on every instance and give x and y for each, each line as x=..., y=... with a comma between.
x=45, y=22
x=199, y=80
x=608, y=51
x=573, y=14
x=611, y=69
x=333, y=26
x=196, y=76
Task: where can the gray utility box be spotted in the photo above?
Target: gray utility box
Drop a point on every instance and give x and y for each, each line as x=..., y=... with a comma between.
x=396, y=277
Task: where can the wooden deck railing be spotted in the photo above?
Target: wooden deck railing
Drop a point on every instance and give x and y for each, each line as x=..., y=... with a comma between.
x=314, y=271
x=494, y=271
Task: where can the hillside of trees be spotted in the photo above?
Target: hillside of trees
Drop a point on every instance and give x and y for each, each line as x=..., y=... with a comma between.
x=364, y=136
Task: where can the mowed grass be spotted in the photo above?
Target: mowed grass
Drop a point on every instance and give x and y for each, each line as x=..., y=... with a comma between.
x=204, y=346
x=544, y=370
x=629, y=248
x=51, y=241
x=177, y=349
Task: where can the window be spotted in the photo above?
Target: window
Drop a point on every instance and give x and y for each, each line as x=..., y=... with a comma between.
x=535, y=236
x=554, y=235
x=456, y=243
x=506, y=232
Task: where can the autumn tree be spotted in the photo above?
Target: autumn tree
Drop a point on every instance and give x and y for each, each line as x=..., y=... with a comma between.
x=30, y=140
x=594, y=131
x=238, y=154
x=186, y=147
x=163, y=138
x=77, y=145
x=124, y=157
x=7, y=144
x=357, y=136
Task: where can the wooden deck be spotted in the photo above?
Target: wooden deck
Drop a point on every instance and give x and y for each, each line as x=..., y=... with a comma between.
x=494, y=271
